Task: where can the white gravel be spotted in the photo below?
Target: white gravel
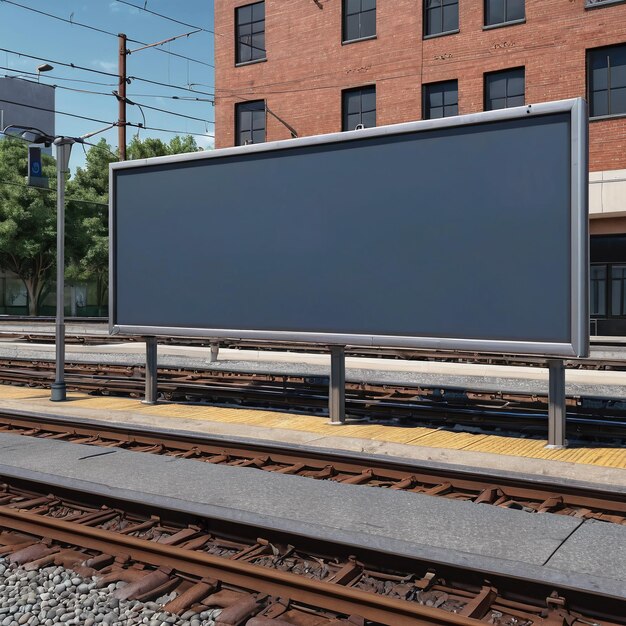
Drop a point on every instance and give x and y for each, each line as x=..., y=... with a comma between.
x=54, y=595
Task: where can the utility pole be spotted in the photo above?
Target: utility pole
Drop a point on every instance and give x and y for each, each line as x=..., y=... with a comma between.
x=121, y=98
x=123, y=81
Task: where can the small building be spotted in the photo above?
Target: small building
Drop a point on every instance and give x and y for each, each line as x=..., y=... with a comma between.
x=307, y=67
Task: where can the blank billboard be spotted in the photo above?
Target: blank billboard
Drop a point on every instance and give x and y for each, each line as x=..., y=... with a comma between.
x=27, y=103
x=463, y=233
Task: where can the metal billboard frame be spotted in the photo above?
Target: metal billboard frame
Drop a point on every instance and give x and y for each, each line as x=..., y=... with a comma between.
x=579, y=253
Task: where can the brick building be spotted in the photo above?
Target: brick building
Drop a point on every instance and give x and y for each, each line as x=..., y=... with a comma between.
x=306, y=67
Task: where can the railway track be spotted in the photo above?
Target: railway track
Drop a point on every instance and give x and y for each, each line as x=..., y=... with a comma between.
x=259, y=579
x=534, y=496
x=588, y=418
x=9, y=333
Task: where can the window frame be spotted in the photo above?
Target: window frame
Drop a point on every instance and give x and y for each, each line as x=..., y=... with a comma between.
x=506, y=22
x=238, y=62
x=239, y=106
x=425, y=89
x=596, y=4
x=503, y=71
x=589, y=52
x=344, y=16
x=593, y=287
x=344, y=113
x=609, y=279
x=442, y=33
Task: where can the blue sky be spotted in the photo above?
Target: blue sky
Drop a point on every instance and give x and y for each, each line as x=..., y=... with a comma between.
x=30, y=33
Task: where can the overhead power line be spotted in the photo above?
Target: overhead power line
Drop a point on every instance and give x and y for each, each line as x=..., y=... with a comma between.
x=93, y=119
x=57, y=17
x=76, y=115
x=72, y=65
x=169, y=85
x=102, y=72
x=189, y=117
x=71, y=80
x=169, y=130
x=38, y=82
x=100, y=30
x=185, y=98
x=129, y=101
x=174, y=54
x=165, y=17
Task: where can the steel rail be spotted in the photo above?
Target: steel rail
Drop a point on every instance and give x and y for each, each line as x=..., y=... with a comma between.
x=478, y=597
x=309, y=393
x=270, y=346
x=298, y=588
x=608, y=501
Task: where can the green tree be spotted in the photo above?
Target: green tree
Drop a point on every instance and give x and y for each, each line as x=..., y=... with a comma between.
x=89, y=257
x=146, y=148
x=28, y=215
x=27, y=222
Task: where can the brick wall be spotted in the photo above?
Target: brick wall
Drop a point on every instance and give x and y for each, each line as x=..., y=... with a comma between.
x=307, y=66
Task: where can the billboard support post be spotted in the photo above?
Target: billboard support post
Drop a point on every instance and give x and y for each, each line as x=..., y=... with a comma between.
x=337, y=388
x=151, y=371
x=557, y=413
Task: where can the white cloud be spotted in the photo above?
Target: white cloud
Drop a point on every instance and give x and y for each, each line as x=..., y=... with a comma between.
x=107, y=66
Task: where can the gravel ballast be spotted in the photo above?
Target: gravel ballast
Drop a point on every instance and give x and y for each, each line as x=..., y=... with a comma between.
x=54, y=595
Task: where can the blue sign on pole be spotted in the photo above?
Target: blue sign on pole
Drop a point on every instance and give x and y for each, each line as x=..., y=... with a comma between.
x=35, y=170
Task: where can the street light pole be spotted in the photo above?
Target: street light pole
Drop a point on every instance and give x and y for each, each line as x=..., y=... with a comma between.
x=63, y=150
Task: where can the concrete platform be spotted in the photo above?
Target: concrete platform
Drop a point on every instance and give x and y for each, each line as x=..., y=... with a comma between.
x=601, y=465
x=485, y=538
x=462, y=376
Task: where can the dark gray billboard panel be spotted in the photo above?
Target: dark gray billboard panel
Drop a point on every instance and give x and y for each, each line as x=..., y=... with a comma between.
x=26, y=103
x=463, y=233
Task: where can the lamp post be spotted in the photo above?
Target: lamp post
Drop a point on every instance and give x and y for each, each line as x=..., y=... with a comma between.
x=44, y=67
x=63, y=148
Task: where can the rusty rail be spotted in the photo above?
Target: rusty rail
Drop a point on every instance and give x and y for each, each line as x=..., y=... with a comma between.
x=589, y=418
x=39, y=336
x=245, y=576
x=537, y=496
x=332, y=596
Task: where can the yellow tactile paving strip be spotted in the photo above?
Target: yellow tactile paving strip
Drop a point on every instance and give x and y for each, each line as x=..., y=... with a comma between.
x=418, y=436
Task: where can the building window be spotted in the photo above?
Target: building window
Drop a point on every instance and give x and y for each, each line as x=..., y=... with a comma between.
x=250, y=32
x=606, y=75
x=503, y=11
x=441, y=16
x=441, y=99
x=250, y=122
x=504, y=89
x=589, y=4
x=359, y=19
x=598, y=290
x=618, y=290
x=359, y=107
